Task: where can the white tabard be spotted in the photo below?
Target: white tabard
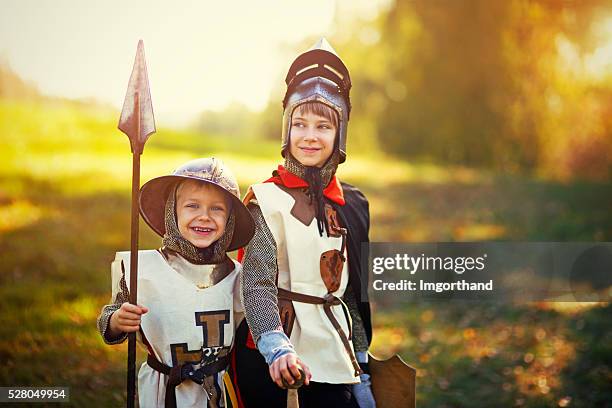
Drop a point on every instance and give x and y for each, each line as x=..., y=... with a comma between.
x=184, y=323
x=299, y=248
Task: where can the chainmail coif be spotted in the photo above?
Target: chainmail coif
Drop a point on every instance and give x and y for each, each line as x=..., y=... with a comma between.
x=326, y=172
x=173, y=239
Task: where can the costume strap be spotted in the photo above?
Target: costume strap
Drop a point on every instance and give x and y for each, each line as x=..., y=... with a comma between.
x=328, y=301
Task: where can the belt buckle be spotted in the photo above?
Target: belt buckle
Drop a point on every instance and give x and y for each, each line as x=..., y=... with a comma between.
x=195, y=375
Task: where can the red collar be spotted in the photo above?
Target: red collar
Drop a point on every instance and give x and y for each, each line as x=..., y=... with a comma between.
x=333, y=191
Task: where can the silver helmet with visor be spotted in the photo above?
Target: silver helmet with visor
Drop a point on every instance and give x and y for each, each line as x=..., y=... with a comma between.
x=318, y=75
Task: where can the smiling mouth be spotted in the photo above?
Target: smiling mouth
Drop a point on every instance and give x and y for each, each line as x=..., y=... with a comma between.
x=310, y=149
x=202, y=230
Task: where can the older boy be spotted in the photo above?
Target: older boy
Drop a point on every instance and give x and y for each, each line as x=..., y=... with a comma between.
x=302, y=298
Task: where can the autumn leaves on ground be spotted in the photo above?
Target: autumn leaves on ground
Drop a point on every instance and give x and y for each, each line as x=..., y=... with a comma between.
x=64, y=211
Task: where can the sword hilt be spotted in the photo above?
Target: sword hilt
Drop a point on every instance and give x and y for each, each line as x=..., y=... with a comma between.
x=297, y=382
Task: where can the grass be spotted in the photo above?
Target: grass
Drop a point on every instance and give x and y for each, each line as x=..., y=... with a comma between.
x=64, y=211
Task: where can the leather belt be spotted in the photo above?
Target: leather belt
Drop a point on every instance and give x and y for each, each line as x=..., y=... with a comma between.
x=178, y=374
x=328, y=301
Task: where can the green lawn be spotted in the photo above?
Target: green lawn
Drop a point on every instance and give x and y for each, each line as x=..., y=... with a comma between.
x=64, y=211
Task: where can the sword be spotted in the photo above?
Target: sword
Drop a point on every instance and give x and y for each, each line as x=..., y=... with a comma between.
x=137, y=122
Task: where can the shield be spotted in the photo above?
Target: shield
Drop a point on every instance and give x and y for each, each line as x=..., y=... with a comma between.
x=331, y=264
x=393, y=382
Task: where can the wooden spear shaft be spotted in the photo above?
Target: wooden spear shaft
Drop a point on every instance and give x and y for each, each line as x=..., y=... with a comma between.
x=131, y=370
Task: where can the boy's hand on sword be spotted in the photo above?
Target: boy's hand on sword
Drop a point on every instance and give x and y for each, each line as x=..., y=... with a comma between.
x=127, y=318
x=287, y=369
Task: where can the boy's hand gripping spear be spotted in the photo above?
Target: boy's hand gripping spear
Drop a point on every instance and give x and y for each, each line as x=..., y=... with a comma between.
x=137, y=122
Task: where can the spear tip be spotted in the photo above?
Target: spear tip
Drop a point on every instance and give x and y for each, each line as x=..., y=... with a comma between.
x=137, y=120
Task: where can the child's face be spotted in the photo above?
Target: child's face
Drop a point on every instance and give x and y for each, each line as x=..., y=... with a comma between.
x=201, y=212
x=312, y=138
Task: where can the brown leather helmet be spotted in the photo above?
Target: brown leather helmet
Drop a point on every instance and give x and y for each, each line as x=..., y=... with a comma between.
x=154, y=194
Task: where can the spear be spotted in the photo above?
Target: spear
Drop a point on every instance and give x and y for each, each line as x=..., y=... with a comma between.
x=137, y=122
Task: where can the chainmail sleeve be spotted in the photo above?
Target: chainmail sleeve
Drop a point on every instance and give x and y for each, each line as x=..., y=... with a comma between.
x=258, y=279
x=360, y=339
x=120, y=296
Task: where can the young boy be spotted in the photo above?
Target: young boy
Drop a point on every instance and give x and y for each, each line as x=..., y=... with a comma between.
x=189, y=312
x=302, y=296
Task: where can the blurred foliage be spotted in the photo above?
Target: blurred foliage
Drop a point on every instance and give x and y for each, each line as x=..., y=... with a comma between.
x=475, y=354
x=235, y=120
x=521, y=85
